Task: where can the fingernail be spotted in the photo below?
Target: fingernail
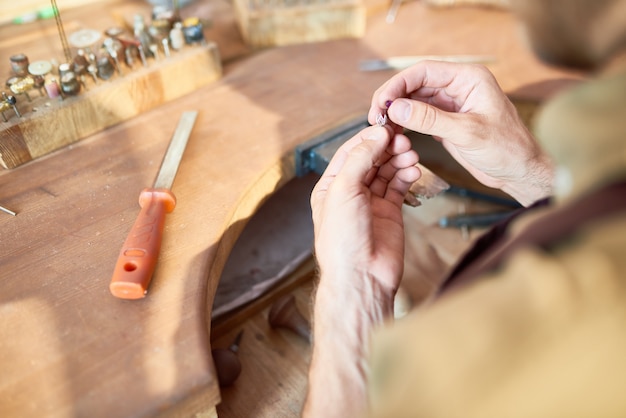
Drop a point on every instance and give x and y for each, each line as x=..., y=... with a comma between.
x=401, y=111
x=377, y=134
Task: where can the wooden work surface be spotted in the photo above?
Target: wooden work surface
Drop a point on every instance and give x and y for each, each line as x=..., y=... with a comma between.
x=70, y=349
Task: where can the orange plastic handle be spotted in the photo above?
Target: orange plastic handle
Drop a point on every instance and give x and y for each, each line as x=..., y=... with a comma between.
x=138, y=257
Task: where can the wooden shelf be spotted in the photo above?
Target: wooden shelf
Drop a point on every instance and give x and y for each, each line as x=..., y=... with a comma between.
x=56, y=124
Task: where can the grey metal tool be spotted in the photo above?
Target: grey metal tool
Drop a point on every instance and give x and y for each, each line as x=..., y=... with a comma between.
x=6, y=210
x=315, y=154
x=402, y=62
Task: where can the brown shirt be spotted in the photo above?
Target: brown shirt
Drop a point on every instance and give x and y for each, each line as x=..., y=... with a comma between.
x=533, y=327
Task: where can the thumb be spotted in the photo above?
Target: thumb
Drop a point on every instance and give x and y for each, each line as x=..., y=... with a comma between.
x=359, y=154
x=363, y=157
x=427, y=119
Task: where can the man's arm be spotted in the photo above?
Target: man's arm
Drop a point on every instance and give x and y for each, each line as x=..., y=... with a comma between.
x=344, y=321
x=359, y=246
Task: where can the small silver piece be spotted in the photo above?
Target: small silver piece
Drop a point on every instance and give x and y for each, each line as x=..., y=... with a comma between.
x=166, y=46
x=128, y=56
x=381, y=120
x=154, y=49
x=93, y=70
x=9, y=211
x=142, y=55
x=113, y=55
x=114, y=48
x=393, y=11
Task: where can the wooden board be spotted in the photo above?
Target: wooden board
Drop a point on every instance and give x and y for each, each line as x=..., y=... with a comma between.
x=17, y=10
x=264, y=24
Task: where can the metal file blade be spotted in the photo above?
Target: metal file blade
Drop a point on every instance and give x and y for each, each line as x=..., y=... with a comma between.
x=175, y=150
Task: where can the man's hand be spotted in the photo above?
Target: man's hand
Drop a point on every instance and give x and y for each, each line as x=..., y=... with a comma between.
x=359, y=245
x=464, y=107
x=357, y=206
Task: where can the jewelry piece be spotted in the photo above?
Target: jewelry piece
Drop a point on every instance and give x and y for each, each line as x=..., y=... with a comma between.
x=381, y=120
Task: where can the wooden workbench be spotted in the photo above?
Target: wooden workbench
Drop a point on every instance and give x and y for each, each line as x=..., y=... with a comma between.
x=70, y=349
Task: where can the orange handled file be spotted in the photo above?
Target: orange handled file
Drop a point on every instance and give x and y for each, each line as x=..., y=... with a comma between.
x=140, y=252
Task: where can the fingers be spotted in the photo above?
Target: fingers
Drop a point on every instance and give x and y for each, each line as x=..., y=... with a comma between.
x=369, y=153
x=369, y=159
x=429, y=74
x=428, y=119
x=429, y=78
x=373, y=141
x=398, y=173
x=374, y=133
x=422, y=96
x=394, y=189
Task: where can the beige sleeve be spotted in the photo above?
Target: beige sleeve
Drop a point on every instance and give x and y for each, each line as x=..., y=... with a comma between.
x=545, y=336
x=491, y=3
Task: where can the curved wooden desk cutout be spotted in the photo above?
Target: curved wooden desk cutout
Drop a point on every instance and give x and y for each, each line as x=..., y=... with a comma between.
x=67, y=347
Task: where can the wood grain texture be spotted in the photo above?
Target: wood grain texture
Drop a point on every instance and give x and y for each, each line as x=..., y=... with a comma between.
x=274, y=365
x=67, y=347
x=276, y=24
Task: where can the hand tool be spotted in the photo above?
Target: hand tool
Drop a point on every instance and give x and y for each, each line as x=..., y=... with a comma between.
x=393, y=11
x=485, y=197
x=6, y=210
x=137, y=260
x=8, y=102
x=402, y=62
x=474, y=220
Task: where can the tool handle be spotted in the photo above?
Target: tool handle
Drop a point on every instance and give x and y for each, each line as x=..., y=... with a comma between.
x=139, y=254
